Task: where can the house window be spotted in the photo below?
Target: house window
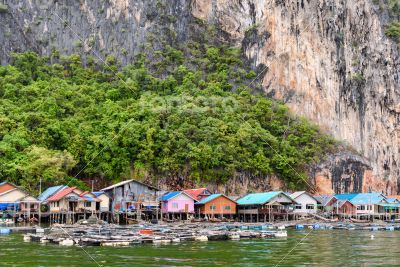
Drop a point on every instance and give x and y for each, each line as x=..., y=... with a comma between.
x=227, y=208
x=297, y=207
x=361, y=207
x=88, y=204
x=309, y=206
x=57, y=204
x=174, y=205
x=213, y=207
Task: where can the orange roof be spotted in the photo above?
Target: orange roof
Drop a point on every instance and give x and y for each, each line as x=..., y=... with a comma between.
x=6, y=186
x=196, y=192
x=59, y=195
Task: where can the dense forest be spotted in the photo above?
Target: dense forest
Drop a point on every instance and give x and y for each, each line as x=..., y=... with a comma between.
x=196, y=114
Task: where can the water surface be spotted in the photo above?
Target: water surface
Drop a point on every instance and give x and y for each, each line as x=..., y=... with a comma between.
x=319, y=248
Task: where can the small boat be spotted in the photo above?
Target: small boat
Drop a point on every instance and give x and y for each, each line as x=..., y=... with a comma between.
x=359, y=221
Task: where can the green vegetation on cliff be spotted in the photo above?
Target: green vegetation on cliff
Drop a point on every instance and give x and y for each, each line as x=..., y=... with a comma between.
x=185, y=115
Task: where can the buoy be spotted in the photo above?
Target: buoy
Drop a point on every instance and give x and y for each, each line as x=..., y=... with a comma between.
x=282, y=227
x=372, y=237
x=299, y=226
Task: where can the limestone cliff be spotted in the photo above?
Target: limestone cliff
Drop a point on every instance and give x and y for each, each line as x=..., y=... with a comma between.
x=329, y=60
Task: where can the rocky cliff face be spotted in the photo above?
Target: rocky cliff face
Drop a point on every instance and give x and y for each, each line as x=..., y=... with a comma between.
x=329, y=60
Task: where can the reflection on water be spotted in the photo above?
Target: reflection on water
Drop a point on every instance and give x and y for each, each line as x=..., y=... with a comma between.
x=319, y=248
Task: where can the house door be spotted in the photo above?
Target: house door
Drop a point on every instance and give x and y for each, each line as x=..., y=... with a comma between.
x=186, y=207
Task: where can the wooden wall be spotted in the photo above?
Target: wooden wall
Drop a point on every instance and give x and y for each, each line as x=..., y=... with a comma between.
x=219, y=203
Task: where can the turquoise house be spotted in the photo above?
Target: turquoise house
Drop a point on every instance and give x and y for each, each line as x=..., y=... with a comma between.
x=266, y=206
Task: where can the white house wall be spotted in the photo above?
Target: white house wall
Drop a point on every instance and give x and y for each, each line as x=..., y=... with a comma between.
x=304, y=200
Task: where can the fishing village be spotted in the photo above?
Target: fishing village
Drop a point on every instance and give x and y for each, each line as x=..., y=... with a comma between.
x=131, y=212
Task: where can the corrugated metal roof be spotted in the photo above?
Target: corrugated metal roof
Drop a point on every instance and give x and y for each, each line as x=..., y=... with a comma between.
x=170, y=195
x=173, y=194
x=196, y=192
x=296, y=194
x=362, y=198
x=346, y=196
x=51, y=191
x=98, y=193
x=209, y=198
x=257, y=198
x=324, y=199
x=60, y=194
x=126, y=182
x=89, y=198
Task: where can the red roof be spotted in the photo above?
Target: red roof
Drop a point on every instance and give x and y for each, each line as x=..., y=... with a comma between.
x=5, y=186
x=60, y=194
x=197, y=193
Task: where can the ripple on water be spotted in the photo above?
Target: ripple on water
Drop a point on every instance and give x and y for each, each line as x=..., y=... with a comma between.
x=320, y=248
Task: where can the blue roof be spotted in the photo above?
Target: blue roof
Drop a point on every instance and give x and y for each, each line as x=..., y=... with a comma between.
x=170, y=195
x=257, y=198
x=88, y=198
x=209, y=198
x=99, y=193
x=51, y=191
x=362, y=198
x=392, y=200
x=346, y=196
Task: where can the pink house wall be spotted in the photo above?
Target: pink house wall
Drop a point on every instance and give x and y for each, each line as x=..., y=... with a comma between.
x=181, y=201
